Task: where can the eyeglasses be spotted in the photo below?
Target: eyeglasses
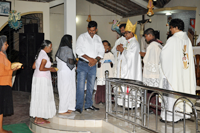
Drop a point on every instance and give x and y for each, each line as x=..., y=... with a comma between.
x=127, y=32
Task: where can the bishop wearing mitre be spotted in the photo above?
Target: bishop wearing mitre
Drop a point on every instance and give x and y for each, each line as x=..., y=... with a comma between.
x=129, y=63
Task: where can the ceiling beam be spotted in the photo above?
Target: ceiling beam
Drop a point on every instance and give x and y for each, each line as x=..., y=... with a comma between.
x=140, y=12
x=118, y=12
x=118, y=5
x=56, y=3
x=141, y=3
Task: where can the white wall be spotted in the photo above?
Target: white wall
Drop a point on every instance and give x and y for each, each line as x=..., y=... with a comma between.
x=25, y=7
x=56, y=26
x=83, y=9
x=98, y=14
x=188, y=3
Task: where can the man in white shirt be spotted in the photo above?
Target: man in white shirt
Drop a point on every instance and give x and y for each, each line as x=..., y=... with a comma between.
x=122, y=40
x=177, y=70
x=129, y=61
x=90, y=50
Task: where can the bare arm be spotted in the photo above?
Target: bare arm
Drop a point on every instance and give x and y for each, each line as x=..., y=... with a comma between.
x=43, y=68
x=34, y=66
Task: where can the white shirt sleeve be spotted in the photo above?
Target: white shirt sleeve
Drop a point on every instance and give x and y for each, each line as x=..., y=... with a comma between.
x=101, y=50
x=79, y=46
x=114, y=50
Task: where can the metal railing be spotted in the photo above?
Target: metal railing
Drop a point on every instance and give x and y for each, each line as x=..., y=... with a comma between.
x=137, y=96
x=54, y=82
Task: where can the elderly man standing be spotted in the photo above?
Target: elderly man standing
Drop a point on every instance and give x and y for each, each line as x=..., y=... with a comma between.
x=90, y=50
x=129, y=60
x=177, y=69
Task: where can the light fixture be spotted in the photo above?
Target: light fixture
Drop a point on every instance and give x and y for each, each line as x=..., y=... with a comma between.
x=168, y=13
x=76, y=19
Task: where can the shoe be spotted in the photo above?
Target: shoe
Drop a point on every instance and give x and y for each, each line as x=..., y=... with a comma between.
x=163, y=121
x=78, y=110
x=92, y=108
x=151, y=111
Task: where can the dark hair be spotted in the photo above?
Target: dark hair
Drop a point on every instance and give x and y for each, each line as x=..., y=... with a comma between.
x=44, y=44
x=177, y=23
x=122, y=25
x=92, y=24
x=149, y=31
x=66, y=41
x=107, y=42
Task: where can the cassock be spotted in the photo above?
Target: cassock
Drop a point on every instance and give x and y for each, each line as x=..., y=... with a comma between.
x=129, y=67
x=151, y=70
x=151, y=61
x=177, y=72
x=105, y=66
x=121, y=40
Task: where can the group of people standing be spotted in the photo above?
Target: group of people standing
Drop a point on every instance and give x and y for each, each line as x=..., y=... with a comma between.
x=170, y=67
x=42, y=98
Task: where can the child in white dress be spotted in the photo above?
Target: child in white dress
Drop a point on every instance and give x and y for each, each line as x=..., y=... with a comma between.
x=104, y=64
x=42, y=99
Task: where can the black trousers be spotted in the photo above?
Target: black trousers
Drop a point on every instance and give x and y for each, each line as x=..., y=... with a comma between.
x=6, y=100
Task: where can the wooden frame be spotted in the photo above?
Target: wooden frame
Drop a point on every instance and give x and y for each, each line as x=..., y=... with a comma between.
x=5, y=8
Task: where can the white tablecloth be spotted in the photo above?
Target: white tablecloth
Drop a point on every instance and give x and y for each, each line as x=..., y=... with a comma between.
x=196, y=50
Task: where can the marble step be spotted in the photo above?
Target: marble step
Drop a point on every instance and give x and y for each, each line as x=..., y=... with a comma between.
x=74, y=126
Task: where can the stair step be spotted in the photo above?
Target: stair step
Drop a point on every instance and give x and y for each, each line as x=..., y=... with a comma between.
x=102, y=127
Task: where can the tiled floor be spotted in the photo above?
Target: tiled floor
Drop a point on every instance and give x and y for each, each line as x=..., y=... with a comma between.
x=21, y=109
x=21, y=115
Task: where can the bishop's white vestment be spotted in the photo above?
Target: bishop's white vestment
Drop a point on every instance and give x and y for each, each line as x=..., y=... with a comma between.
x=129, y=67
x=121, y=40
x=177, y=72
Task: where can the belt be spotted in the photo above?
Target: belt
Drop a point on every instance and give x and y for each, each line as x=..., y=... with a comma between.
x=83, y=60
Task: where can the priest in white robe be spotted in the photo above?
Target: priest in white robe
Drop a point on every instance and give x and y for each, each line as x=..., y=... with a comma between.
x=129, y=62
x=122, y=40
x=151, y=61
x=177, y=69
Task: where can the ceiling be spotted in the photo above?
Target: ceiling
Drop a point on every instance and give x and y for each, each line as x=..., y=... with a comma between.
x=124, y=8
x=127, y=8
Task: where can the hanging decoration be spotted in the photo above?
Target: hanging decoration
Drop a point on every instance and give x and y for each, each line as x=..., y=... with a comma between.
x=14, y=20
x=150, y=6
x=89, y=18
